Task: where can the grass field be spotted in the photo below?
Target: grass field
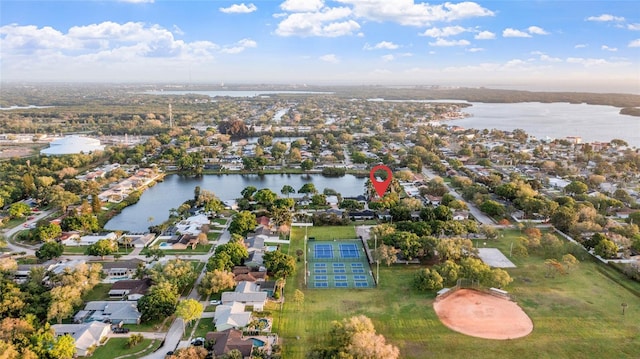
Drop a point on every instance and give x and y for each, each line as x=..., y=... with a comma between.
x=577, y=315
x=99, y=292
x=116, y=347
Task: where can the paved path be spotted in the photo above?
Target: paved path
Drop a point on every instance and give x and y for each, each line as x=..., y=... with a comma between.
x=9, y=233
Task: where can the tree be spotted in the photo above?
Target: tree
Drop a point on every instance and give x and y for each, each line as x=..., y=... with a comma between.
x=134, y=340
x=176, y=271
x=387, y=254
x=243, y=222
x=64, y=347
x=215, y=282
x=102, y=248
x=19, y=210
x=155, y=252
x=236, y=251
x=159, y=302
x=356, y=337
x=298, y=297
x=279, y=263
x=281, y=216
x=189, y=310
x=428, y=279
x=306, y=165
x=63, y=299
x=265, y=197
x=60, y=198
x=576, y=188
x=49, y=250
x=308, y=188
x=606, y=249
x=287, y=190
x=193, y=352
x=96, y=204
x=247, y=192
x=46, y=232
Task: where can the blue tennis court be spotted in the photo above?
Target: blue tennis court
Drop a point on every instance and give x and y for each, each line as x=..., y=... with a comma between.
x=323, y=251
x=338, y=264
x=349, y=250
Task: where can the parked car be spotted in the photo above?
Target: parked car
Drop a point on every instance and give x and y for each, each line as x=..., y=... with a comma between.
x=197, y=342
x=215, y=302
x=120, y=330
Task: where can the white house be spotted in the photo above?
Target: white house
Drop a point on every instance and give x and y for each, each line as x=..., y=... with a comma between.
x=247, y=293
x=86, y=335
x=91, y=239
x=231, y=315
x=192, y=224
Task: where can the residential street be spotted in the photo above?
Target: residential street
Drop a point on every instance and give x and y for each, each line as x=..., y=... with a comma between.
x=477, y=214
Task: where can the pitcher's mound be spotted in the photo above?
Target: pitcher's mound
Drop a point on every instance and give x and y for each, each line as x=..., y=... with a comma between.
x=483, y=315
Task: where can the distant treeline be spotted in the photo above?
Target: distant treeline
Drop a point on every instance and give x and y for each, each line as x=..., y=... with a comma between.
x=487, y=95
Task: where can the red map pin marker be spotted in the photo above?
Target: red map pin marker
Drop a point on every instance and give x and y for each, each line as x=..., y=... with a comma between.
x=381, y=187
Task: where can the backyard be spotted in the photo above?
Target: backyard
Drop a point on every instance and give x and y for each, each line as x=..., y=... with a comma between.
x=575, y=315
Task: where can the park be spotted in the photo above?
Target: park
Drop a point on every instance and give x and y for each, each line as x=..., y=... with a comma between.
x=574, y=315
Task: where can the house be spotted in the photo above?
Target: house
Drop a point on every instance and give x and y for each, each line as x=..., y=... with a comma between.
x=228, y=340
x=192, y=224
x=362, y=215
x=231, y=316
x=86, y=335
x=247, y=293
x=125, y=312
x=132, y=289
x=460, y=215
x=137, y=240
x=182, y=242
x=244, y=273
x=121, y=269
x=91, y=239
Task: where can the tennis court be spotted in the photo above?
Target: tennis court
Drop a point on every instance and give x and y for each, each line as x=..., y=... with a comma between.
x=340, y=264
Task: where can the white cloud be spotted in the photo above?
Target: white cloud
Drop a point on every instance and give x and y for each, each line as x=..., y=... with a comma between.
x=302, y=5
x=544, y=57
x=443, y=32
x=633, y=27
x=509, y=32
x=443, y=42
x=591, y=62
x=634, y=43
x=605, y=17
x=485, y=35
x=387, y=58
x=96, y=42
x=537, y=30
x=239, y=47
x=330, y=58
x=580, y=46
x=325, y=23
x=382, y=45
x=607, y=48
x=238, y=9
x=475, y=49
x=407, y=12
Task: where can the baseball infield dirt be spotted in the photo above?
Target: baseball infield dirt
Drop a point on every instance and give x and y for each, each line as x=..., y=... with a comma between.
x=483, y=315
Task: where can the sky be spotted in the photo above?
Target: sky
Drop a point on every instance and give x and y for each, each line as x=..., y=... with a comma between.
x=539, y=45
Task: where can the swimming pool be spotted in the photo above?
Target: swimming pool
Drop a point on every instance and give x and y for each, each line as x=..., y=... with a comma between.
x=257, y=342
x=165, y=245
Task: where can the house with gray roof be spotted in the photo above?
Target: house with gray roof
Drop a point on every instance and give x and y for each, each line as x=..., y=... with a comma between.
x=231, y=316
x=125, y=312
x=247, y=293
x=86, y=335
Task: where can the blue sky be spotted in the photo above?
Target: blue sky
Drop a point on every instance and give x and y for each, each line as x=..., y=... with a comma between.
x=541, y=45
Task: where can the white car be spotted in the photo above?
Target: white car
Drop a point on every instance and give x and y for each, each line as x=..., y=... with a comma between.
x=215, y=302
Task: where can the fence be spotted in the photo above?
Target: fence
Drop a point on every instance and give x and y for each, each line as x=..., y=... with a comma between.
x=464, y=283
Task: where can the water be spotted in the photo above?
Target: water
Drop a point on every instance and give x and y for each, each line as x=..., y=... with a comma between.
x=153, y=207
x=593, y=123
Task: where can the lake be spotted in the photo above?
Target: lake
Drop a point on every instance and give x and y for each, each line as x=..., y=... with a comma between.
x=175, y=189
x=594, y=123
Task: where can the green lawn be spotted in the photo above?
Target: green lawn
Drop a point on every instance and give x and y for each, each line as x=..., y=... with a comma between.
x=153, y=326
x=99, y=292
x=116, y=347
x=327, y=232
x=205, y=325
x=213, y=236
x=577, y=315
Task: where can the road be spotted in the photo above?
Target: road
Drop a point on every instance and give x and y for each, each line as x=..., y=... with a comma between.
x=174, y=335
x=8, y=234
x=477, y=214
